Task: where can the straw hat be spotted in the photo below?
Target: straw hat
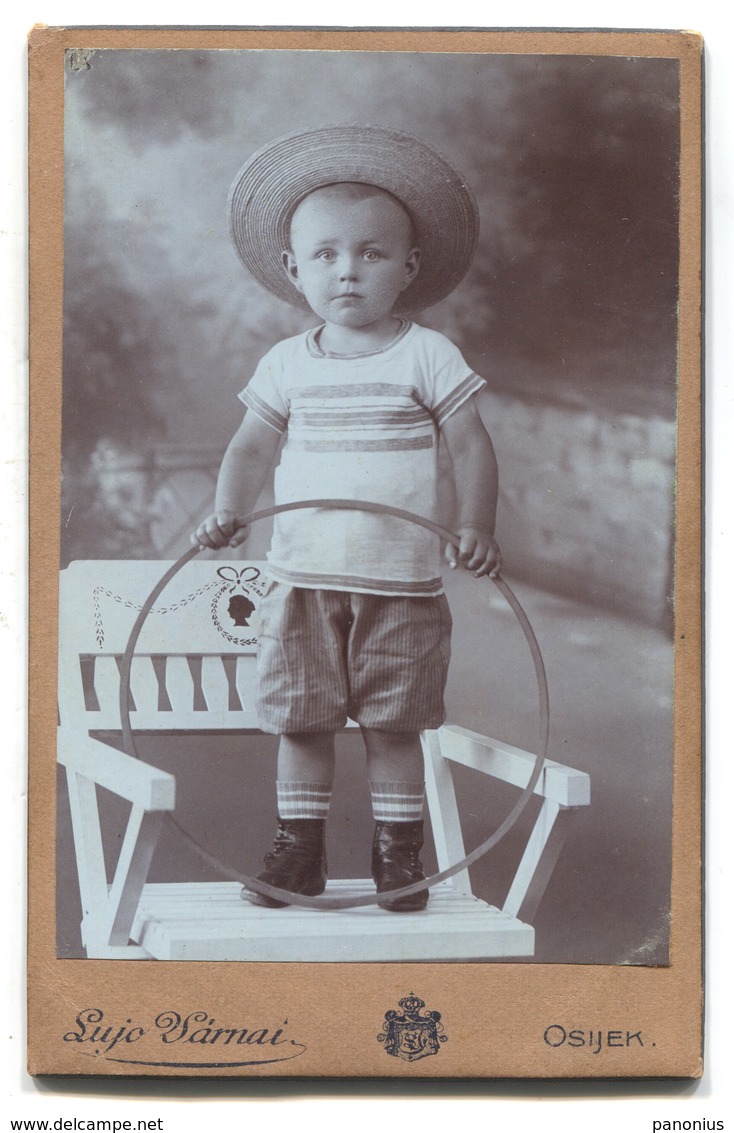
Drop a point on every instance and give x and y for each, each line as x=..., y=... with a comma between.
x=270, y=185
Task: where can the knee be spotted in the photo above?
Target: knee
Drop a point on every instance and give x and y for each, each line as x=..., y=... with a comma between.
x=377, y=740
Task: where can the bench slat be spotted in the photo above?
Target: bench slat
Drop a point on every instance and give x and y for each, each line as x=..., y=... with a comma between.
x=143, y=684
x=180, y=688
x=107, y=686
x=246, y=682
x=215, y=685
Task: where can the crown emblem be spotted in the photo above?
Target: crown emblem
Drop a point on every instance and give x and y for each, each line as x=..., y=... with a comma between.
x=411, y=1005
x=411, y=1035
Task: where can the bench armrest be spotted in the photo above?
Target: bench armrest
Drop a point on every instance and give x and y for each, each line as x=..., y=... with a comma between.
x=557, y=782
x=131, y=779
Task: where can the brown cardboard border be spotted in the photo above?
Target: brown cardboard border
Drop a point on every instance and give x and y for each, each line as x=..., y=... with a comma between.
x=482, y=1004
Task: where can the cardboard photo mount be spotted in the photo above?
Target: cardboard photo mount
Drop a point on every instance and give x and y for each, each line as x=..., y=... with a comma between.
x=458, y=1018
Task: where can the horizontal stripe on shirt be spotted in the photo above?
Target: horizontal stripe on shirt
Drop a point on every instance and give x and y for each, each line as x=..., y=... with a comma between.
x=357, y=389
x=343, y=444
x=358, y=417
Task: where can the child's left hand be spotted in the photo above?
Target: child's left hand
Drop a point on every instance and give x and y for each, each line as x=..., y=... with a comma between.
x=477, y=551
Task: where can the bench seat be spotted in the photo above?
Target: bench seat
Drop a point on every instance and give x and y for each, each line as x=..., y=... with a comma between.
x=210, y=921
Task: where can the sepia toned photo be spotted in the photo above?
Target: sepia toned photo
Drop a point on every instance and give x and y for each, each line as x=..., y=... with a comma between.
x=370, y=436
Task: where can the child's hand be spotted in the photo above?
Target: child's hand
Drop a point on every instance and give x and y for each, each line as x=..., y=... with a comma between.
x=219, y=530
x=477, y=551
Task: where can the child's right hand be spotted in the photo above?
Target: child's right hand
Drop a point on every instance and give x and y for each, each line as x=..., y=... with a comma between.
x=221, y=529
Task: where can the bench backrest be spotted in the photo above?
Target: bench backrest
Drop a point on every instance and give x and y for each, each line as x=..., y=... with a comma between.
x=194, y=660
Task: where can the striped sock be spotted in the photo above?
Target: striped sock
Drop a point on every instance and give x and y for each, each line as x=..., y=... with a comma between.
x=397, y=801
x=302, y=800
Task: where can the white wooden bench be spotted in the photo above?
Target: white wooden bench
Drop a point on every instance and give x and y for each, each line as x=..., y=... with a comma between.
x=192, y=673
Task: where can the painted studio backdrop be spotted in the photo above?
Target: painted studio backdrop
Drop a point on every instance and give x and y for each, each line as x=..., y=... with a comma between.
x=569, y=312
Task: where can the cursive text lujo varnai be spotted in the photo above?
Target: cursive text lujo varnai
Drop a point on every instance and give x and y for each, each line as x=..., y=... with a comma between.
x=197, y=1028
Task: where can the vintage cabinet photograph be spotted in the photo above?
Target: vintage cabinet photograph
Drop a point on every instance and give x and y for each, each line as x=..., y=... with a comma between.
x=366, y=383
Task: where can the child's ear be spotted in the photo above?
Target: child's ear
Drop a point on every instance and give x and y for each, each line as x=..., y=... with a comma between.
x=412, y=263
x=291, y=268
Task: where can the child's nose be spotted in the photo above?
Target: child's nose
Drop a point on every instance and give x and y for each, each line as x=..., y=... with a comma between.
x=348, y=267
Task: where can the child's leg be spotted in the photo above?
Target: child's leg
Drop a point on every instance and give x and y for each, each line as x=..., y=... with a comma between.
x=395, y=771
x=305, y=774
x=393, y=756
x=297, y=861
x=307, y=756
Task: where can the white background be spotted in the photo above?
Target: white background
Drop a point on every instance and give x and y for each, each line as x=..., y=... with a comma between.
x=567, y=1107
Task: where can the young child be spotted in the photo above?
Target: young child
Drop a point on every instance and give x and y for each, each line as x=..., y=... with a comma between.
x=362, y=225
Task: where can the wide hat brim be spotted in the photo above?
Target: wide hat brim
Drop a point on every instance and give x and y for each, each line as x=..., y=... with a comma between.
x=271, y=184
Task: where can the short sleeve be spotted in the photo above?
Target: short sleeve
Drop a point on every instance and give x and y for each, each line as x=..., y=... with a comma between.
x=264, y=393
x=449, y=380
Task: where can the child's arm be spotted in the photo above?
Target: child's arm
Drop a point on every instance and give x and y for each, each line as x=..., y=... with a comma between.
x=476, y=476
x=245, y=466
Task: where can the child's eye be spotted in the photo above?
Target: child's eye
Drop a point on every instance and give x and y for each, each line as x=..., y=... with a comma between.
x=371, y=255
x=326, y=254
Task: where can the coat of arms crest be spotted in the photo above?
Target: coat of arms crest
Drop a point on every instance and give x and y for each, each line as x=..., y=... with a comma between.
x=412, y=1035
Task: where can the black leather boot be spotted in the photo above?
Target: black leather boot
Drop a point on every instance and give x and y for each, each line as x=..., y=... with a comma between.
x=395, y=863
x=297, y=861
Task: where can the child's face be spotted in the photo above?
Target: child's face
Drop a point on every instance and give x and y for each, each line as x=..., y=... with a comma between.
x=351, y=254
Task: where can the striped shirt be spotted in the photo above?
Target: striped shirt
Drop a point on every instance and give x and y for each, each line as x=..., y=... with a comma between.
x=362, y=427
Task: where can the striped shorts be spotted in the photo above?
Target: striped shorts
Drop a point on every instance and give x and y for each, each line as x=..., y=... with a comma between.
x=325, y=655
